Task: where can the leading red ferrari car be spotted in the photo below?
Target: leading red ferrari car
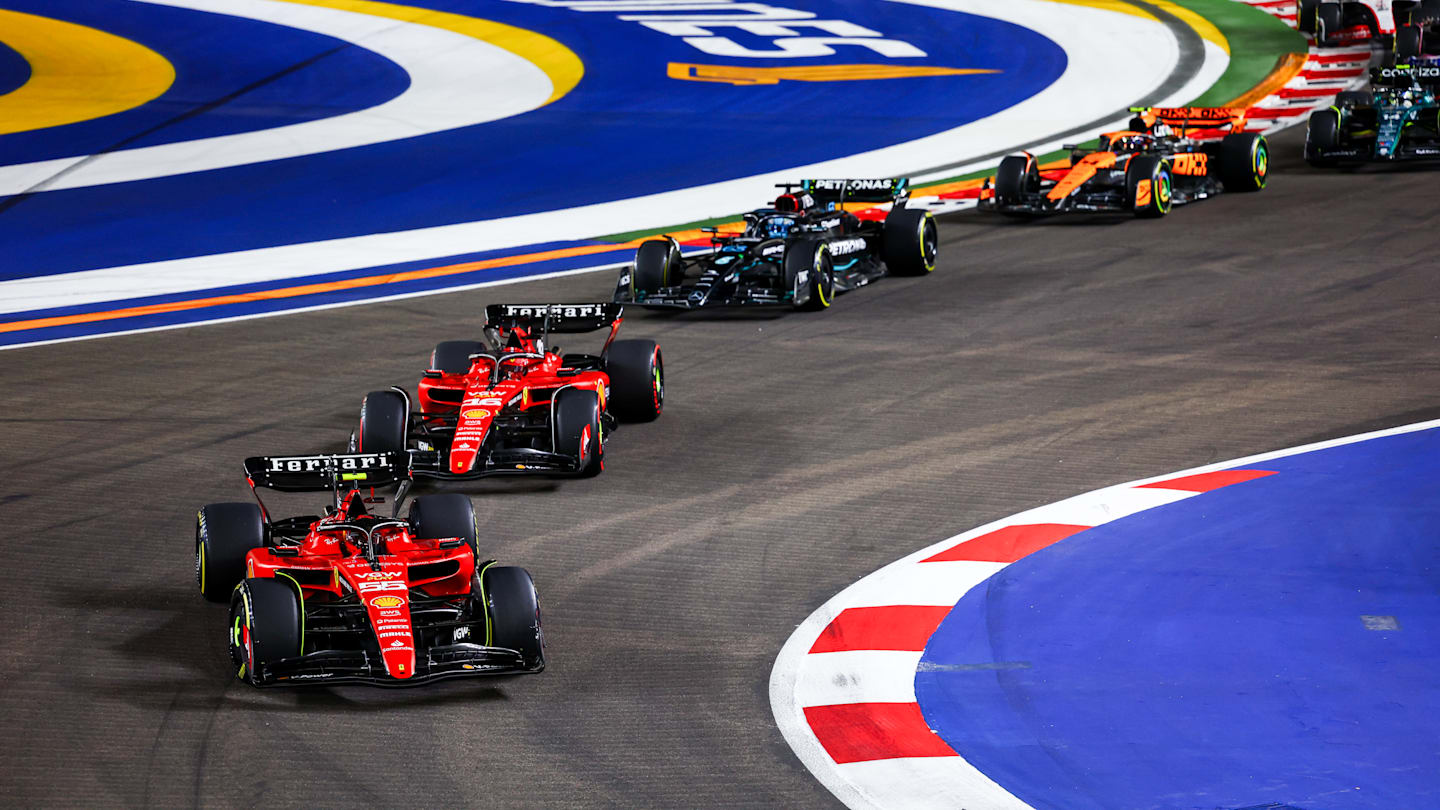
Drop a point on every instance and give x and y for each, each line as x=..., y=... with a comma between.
x=355, y=596
x=515, y=403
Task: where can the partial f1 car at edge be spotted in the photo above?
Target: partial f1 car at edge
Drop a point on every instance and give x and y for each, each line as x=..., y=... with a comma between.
x=1396, y=120
x=515, y=403
x=357, y=597
x=1168, y=157
x=800, y=252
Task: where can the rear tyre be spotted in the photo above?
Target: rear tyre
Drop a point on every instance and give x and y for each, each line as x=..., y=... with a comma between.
x=1409, y=42
x=1305, y=16
x=1327, y=23
x=911, y=242
x=810, y=275
x=1018, y=174
x=1149, y=187
x=578, y=430
x=656, y=263
x=441, y=517
x=1244, y=161
x=453, y=356
x=637, y=380
x=267, y=623
x=224, y=535
x=1322, y=133
x=383, y=423
x=513, y=609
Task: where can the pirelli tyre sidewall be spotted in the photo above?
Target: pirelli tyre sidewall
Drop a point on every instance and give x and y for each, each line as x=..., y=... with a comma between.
x=384, y=423
x=810, y=275
x=655, y=262
x=1305, y=15
x=267, y=624
x=513, y=609
x=1244, y=162
x=1322, y=133
x=1016, y=175
x=1328, y=16
x=911, y=242
x=453, y=356
x=1150, y=186
x=224, y=535
x=636, y=370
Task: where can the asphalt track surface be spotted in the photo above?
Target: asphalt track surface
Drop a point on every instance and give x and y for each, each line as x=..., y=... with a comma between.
x=796, y=454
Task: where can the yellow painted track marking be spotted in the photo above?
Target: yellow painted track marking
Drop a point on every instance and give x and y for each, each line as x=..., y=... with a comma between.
x=77, y=73
x=1202, y=26
x=557, y=61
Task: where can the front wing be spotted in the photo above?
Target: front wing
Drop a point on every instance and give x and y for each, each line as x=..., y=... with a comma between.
x=328, y=667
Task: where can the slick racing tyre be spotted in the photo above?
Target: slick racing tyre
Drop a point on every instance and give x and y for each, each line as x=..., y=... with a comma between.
x=1409, y=42
x=1018, y=174
x=224, y=534
x=657, y=265
x=911, y=242
x=637, y=380
x=441, y=517
x=1353, y=98
x=1323, y=133
x=453, y=356
x=1149, y=186
x=1244, y=161
x=577, y=429
x=1327, y=23
x=513, y=612
x=384, y=422
x=1305, y=16
x=810, y=275
x=267, y=623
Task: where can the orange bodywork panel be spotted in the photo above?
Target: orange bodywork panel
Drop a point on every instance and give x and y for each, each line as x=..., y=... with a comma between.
x=1082, y=171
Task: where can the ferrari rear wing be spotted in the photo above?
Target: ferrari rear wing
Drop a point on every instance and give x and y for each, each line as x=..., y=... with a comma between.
x=561, y=318
x=1188, y=121
x=321, y=473
x=839, y=192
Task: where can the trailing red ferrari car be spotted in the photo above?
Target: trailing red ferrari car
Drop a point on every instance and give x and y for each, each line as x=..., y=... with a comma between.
x=514, y=403
x=1168, y=157
x=354, y=596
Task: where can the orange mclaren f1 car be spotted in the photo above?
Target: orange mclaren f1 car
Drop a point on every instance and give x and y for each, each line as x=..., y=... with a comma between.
x=1168, y=157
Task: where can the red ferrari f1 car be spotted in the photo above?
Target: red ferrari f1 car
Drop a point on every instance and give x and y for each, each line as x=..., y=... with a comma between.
x=513, y=403
x=356, y=597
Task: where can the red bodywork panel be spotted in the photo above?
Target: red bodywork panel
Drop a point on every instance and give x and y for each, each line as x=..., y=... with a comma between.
x=523, y=383
x=329, y=566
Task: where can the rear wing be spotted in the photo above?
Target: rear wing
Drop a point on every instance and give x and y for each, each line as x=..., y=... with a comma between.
x=839, y=192
x=1189, y=121
x=321, y=473
x=550, y=318
x=1405, y=75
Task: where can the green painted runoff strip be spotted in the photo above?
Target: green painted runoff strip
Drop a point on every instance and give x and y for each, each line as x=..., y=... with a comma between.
x=1258, y=40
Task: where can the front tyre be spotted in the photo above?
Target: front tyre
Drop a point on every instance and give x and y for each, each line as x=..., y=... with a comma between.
x=384, y=423
x=513, y=612
x=637, y=380
x=1017, y=175
x=1323, y=133
x=1327, y=23
x=1149, y=186
x=577, y=429
x=224, y=535
x=810, y=275
x=657, y=264
x=912, y=242
x=1305, y=16
x=1409, y=42
x=453, y=356
x=1244, y=161
x=267, y=623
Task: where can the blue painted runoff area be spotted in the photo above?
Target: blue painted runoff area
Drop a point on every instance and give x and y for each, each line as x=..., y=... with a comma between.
x=14, y=70
x=1275, y=642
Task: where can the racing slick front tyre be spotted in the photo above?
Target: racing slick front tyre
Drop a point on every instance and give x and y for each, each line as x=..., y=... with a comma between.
x=453, y=356
x=655, y=264
x=384, y=422
x=441, y=517
x=1305, y=16
x=1244, y=161
x=577, y=429
x=911, y=242
x=1327, y=23
x=267, y=623
x=810, y=275
x=224, y=534
x=1018, y=174
x=1409, y=42
x=1322, y=133
x=513, y=608
x=637, y=380
x=1149, y=186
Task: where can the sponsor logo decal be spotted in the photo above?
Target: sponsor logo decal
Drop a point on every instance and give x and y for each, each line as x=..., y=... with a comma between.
x=844, y=247
x=378, y=575
x=554, y=310
x=1192, y=164
x=387, y=602
x=476, y=413
x=301, y=464
x=366, y=587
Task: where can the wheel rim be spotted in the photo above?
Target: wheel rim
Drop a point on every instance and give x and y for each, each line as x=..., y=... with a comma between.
x=1162, y=191
x=658, y=390
x=1262, y=163
x=822, y=278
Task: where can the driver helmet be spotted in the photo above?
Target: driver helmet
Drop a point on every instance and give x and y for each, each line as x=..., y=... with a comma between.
x=1127, y=143
x=777, y=227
